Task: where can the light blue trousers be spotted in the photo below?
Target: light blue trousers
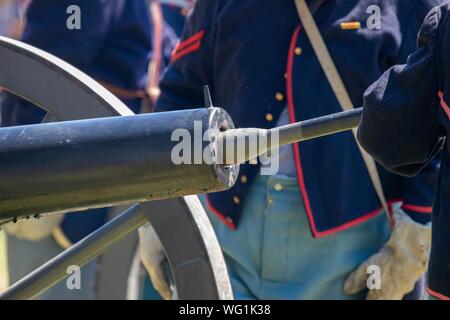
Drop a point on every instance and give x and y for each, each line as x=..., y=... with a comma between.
x=272, y=254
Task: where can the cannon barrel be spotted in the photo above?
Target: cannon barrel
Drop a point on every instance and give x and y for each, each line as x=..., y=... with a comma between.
x=76, y=165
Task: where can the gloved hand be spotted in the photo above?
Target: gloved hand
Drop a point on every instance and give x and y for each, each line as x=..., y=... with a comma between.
x=402, y=261
x=34, y=229
x=153, y=257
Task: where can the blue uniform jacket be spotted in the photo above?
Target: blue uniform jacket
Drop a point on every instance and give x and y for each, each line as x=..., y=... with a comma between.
x=409, y=107
x=113, y=46
x=257, y=60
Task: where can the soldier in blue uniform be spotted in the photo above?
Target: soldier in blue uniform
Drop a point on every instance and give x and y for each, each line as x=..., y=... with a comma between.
x=300, y=233
x=168, y=21
x=406, y=118
x=113, y=45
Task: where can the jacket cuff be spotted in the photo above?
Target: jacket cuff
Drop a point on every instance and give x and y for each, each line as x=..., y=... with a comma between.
x=420, y=214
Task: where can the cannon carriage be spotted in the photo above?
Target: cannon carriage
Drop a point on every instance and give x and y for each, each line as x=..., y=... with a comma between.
x=66, y=93
x=91, y=151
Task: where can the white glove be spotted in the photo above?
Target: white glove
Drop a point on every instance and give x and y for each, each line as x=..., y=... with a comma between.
x=34, y=229
x=152, y=256
x=402, y=261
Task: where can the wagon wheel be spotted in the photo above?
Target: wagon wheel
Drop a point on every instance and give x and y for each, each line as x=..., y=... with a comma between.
x=187, y=236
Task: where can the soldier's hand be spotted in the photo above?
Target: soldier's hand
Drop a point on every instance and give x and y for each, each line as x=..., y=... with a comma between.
x=153, y=257
x=34, y=229
x=402, y=261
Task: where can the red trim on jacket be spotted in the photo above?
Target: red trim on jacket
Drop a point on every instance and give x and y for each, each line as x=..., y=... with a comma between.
x=298, y=165
x=444, y=104
x=290, y=100
x=419, y=209
x=219, y=215
x=189, y=45
x=185, y=43
x=434, y=294
x=178, y=55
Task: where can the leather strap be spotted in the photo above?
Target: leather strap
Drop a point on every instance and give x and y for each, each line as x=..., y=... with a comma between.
x=339, y=90
x=157, y=50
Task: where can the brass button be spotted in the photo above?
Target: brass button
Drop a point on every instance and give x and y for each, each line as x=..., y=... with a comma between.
x=269, y=117
x=298, y=51
x=278, y=187
x=269, y=200
x=244, y=179
x=229, y=220
x=236, y=200
x=352, y=25
x=279, y=96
